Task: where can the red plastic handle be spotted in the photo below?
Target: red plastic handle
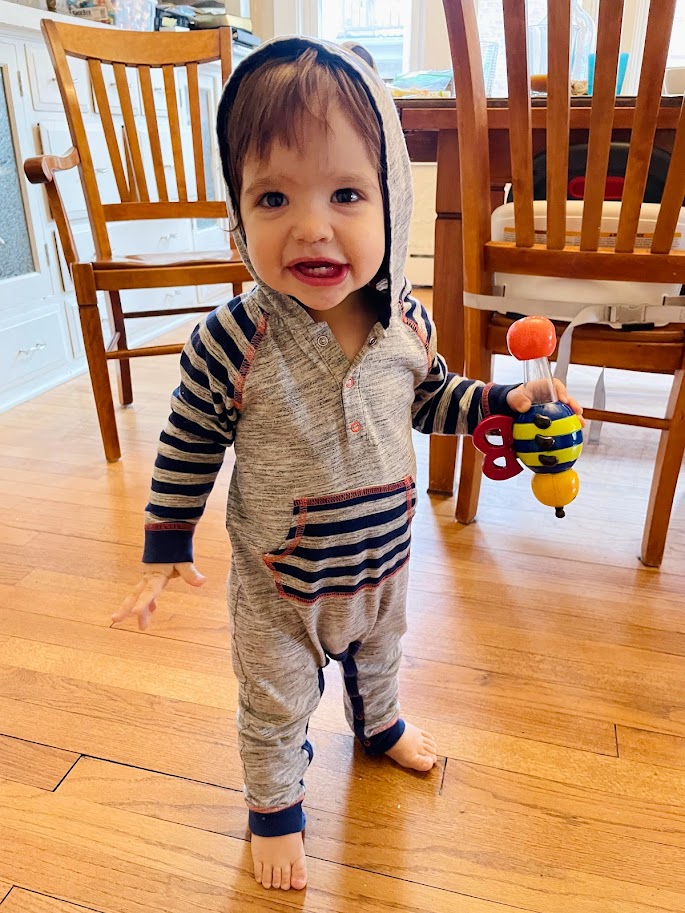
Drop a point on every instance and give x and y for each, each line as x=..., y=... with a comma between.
x=500, y=425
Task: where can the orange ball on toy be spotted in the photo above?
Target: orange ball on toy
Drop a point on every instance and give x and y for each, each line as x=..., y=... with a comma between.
x=531, y=337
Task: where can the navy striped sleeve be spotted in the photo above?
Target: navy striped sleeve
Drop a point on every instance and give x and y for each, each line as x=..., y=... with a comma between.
x=444, y=402
x=204, y=415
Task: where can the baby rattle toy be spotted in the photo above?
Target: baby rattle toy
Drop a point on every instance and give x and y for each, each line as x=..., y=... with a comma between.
x=548, y=438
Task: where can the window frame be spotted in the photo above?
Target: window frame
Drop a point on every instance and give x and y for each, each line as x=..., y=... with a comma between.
x=303, y=17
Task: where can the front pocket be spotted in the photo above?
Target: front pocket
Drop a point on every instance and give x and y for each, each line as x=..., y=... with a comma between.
x=343, y=543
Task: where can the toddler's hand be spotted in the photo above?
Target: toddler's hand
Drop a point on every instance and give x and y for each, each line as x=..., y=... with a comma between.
x=142, y=601
x=521, y=398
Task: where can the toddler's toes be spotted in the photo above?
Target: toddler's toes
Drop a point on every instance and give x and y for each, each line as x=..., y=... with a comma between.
x=267, y=873
x=285, y=878
x=276, y=877
x=298, y=877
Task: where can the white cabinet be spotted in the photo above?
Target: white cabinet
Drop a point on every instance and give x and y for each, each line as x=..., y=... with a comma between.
x=40, y=336
x=24, y=274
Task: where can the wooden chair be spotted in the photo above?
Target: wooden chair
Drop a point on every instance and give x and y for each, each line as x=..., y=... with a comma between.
x=658, y=350
x=140, y=189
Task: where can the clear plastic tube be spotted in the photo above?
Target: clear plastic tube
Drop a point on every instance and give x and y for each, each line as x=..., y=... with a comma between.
x=538, y=379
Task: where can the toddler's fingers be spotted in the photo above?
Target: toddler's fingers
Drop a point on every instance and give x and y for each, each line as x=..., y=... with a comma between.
x=190, y=574
x=146, y=592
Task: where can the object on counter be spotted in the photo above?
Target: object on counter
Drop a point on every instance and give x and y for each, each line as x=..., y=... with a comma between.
x=423, y=82
x=582, y=41
x=674, y=81
x=620, y=74
x=204, y=14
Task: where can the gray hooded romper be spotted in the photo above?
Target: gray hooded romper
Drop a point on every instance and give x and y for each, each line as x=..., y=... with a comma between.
x=322, y=494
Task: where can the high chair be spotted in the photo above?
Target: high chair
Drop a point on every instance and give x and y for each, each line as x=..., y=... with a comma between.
x=540, y=242
x=153, y=165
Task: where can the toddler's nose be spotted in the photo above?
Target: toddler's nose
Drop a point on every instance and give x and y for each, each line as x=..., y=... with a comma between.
x=313, y=227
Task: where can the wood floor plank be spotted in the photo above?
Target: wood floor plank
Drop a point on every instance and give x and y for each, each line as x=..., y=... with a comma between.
x=470, y=692
x=660, y=748
x=463, y=786
x=13, y=572
x=95, y=558
x=423, y=838
x=61, y=847
x=175, y=737
x=109, y=524
x=13, y=533
x=34, y=765
x=169, y=670
x=21, y=901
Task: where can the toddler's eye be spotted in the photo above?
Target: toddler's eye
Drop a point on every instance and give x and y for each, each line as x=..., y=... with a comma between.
x=346, y=195
x=272, y=200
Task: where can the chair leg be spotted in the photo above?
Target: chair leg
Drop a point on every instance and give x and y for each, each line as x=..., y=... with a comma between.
x=478, y=365
x=91, y=327
x=123, y=364
x=668, y=463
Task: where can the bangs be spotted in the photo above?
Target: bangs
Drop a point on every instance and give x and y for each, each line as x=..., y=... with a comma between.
x=282, y=101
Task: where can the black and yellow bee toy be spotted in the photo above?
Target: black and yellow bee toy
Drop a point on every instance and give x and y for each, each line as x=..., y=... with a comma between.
x=548, y=438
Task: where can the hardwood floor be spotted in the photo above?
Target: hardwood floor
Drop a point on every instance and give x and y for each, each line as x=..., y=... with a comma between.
x=547, y=661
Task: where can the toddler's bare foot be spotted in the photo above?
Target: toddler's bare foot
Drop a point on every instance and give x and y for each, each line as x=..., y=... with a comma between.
x=415, y=749
x=279, y=862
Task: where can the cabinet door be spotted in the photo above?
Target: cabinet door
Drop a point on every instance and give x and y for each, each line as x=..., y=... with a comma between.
x=24, y=274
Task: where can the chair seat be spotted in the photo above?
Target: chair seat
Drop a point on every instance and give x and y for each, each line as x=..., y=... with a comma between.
x=171, y=258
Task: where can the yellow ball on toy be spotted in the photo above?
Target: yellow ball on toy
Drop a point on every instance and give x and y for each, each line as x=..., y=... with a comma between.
x=556, y=489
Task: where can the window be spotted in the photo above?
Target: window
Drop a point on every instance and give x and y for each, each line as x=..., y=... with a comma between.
x=381, y=26
x=676, y=53
x=491, y=32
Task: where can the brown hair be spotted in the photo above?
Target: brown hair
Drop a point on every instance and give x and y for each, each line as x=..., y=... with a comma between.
x=278, y=100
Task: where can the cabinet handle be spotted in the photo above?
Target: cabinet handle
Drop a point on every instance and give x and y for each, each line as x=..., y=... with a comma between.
x=174, y=294
x=75, y=80
x=101, y=170
x=170, y=237
x=2, y=242
x=38, y=347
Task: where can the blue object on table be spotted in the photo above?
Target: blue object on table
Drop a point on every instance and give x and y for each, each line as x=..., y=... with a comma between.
x=620, y=75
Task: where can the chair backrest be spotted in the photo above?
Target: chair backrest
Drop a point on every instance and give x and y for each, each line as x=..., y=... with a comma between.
x=556, y=258
x=157, y=67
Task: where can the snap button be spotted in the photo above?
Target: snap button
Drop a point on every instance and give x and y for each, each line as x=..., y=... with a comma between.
x=367, y=742
x=355, y=427
x=349, y=382
x=359, y=716
x=322, y=340
x=373, y=341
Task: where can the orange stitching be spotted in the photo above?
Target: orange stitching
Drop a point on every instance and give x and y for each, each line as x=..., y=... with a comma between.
x=423, y=337
x=356, y=493
x=239, y=386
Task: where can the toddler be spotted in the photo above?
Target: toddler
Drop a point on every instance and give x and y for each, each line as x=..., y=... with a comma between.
x=317, y=378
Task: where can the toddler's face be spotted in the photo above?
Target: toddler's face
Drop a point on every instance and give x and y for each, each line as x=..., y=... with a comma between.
x=314, y=222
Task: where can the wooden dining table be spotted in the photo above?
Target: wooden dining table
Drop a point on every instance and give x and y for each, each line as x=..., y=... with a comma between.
x=430, y=130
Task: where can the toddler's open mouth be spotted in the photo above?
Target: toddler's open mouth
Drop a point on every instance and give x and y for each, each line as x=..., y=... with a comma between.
x=319, y=272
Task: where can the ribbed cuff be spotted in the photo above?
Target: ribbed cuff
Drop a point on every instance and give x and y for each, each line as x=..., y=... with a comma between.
x=383, y=741
x=276, y=824
x=497, y=399
x=168, y=543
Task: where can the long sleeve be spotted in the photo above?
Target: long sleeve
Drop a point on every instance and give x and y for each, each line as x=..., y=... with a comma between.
x=202, y=424
x=445, y=402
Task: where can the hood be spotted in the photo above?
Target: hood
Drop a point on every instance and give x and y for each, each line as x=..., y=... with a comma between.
x=395, y=167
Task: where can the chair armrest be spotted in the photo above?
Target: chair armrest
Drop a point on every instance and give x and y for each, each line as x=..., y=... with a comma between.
x=40, y=170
